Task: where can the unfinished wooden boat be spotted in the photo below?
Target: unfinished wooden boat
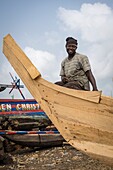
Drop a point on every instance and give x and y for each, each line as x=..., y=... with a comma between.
x=34, y=138
x=83, y=118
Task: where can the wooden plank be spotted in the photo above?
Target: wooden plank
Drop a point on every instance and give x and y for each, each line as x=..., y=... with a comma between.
x=31, y=69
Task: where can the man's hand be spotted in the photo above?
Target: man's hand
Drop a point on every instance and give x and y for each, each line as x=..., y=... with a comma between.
x=95, y=89
x=64, y=79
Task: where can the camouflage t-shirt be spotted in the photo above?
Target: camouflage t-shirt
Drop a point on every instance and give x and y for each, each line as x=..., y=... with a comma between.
x=75, y=68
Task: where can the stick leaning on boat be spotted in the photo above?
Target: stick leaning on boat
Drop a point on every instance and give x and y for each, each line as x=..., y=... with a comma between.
x=83, y=118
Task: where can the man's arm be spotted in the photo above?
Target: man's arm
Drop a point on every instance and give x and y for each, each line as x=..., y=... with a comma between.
x=91, y=79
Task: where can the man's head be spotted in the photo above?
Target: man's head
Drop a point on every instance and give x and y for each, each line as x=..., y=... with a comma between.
x=71, y=45
x=71, y=40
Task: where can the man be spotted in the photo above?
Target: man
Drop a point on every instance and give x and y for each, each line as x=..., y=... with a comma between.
x=75, y=69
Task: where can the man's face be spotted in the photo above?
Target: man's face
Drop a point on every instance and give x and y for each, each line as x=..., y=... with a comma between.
x=71, y=48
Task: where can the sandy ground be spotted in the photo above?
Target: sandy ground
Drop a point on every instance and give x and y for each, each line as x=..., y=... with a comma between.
x=56, y=158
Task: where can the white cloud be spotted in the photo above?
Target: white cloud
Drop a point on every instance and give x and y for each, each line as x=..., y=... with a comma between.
x=52, y=38
x=45, y=63
x=92, y=20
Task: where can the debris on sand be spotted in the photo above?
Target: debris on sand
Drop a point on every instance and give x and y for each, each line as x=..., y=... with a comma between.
x=57, y=158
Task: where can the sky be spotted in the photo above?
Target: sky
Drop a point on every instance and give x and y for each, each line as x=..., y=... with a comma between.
x=40, y=28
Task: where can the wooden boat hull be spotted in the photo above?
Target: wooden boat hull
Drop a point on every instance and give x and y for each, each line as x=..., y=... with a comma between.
x=35, y=138
x=84, y=118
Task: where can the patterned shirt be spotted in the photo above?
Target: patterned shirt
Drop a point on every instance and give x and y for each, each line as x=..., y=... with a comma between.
x=75, y=68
